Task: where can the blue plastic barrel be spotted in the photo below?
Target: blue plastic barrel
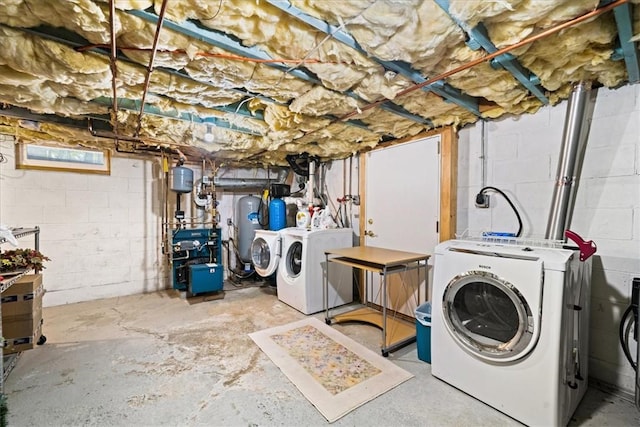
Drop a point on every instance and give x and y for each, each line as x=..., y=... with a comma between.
x=277, y=214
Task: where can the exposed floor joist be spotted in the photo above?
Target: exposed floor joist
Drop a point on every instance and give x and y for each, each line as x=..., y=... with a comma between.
x=223, y=41
x=440, y=88
x=478, y=38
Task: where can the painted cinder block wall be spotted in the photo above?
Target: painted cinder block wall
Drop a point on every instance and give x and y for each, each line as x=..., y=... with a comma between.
x=101, y=232
x=521, y=157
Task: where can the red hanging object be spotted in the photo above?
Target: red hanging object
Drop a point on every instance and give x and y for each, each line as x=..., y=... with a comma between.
x=587, y=248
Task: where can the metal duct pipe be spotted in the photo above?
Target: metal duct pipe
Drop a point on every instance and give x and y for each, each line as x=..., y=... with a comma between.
x=312, y=181
x=574, y=139
x=246, y=179
x=273, y=174
x=241, y=184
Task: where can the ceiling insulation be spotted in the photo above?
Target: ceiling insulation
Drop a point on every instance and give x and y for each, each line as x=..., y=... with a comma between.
x=274, y=77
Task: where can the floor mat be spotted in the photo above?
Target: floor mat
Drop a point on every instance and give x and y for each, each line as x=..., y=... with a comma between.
x=335, y=373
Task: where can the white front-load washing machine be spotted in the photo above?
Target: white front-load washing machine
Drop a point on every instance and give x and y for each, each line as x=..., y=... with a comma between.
x=510, y=327
x=303, y=265
x=266, y=249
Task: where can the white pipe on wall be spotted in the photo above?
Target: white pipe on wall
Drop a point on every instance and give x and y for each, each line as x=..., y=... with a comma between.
x=312, y=181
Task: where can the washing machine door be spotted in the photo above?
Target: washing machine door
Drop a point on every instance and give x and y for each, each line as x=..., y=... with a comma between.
x=488, y=317
x=293, y=260
x=265, y=255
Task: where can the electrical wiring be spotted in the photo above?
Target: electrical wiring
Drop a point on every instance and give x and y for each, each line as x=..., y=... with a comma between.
x=244, y=101
x=236, y=274
x=327, y=198
x=258, y=60
x=625, y=325
x=489, y=57
x=470, y=64
x=481, y=192
x=297, y=62
x=263, y=208
x=215, y=14
x=306, y=59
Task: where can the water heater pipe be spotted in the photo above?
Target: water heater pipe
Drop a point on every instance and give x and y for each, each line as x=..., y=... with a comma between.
x=203, y=206
x=312, y=180
x=574, y=140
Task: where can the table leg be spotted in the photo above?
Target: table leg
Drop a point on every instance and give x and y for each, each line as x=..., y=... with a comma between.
x=385, y=353
x=325, y=291
x=426, y=280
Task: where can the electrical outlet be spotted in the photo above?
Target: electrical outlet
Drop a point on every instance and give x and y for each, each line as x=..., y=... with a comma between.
x=356, y=200
x=482, y=200
x=229, y=222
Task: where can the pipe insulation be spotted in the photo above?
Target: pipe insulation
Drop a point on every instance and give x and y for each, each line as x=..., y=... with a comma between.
x=574, y=139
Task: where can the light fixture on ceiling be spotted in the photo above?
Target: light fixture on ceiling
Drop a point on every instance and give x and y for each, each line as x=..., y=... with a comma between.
x=208, y=136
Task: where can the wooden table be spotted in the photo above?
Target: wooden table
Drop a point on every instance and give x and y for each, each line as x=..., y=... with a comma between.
x=395, y=332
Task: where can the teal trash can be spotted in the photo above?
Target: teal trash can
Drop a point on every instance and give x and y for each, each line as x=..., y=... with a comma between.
x=423, y=331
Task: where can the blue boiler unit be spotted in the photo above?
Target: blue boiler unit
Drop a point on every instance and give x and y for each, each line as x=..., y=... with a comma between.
x=196, y=260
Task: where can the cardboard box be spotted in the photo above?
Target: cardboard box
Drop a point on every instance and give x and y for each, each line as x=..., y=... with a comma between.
x=18, y=305
x=22, y=296
x=27, y=342
x=22, y=314
x=24, y=285
x=21, y=326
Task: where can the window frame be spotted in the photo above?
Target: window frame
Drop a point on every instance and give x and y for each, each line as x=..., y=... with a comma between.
x=24, y=162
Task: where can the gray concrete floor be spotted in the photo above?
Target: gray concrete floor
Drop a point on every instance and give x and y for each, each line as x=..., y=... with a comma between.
x=154, y=359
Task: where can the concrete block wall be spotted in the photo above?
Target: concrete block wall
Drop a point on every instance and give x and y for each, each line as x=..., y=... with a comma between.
x=521, y=157
x=101, y=232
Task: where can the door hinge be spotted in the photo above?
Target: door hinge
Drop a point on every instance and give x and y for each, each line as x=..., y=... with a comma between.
x=437, y=226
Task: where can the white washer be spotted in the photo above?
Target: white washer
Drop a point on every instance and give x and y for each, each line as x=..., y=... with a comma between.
x=266, y=249
x=303, y=265
x=510, y=327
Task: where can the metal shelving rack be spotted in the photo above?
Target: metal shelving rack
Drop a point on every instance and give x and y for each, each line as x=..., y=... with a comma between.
x=7, y=363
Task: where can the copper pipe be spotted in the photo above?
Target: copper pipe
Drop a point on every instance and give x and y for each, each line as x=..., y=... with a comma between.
x=113, y=64
x=149, y=142
x=147, y=79
x=489, y=57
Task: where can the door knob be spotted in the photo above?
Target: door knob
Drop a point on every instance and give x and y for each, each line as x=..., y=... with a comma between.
x=369, y=233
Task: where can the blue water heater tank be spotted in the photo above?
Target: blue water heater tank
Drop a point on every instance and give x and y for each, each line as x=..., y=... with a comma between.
x=277, y=214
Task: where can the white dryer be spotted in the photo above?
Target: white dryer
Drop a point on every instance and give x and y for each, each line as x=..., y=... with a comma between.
x=266, y=249
x=510, y=327
x=303, y=265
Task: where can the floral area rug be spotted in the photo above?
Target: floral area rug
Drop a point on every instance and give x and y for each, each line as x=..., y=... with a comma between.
x=335, y=373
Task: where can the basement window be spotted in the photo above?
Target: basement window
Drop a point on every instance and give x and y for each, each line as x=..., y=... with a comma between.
x=48, y=157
